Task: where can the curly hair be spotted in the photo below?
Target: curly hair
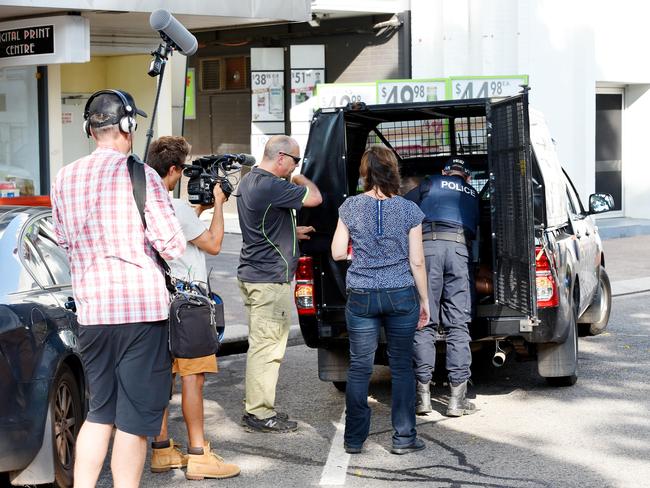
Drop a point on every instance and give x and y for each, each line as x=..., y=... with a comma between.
x=167, y=151
x=379, y=170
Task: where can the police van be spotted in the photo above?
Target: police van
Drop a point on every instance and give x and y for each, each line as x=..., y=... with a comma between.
x=538, y=262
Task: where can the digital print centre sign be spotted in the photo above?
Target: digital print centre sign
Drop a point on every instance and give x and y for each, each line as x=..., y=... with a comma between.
x=56, y=39
x=27, y=41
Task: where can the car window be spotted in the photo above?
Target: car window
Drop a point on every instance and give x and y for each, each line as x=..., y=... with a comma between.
x=42, y=256
x=33, y=263
x=570, y=203
x=54, y=257
x=575, y=205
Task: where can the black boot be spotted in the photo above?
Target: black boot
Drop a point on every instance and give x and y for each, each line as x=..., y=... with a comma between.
x=423, y=398
x=458, y=404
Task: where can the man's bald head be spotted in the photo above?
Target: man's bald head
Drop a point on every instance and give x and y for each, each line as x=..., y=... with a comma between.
x=279, y=144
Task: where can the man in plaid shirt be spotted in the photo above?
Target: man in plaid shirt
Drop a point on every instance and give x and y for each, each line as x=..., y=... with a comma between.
x=119, y=290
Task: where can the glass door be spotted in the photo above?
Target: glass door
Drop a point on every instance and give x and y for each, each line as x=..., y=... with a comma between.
x=609, y=122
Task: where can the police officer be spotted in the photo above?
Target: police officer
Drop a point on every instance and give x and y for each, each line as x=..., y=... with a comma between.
x=450, y=206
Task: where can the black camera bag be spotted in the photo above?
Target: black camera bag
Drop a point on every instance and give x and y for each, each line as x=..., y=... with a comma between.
x=192, y=326
x=193, y=317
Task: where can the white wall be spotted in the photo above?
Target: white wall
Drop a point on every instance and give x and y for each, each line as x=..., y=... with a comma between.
x=566, y=48
x=636, y=130
x=55, y=128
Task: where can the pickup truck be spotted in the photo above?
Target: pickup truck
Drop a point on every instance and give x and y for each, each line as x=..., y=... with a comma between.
x=539, y=265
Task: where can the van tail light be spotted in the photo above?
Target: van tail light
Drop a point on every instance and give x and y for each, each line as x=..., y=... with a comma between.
x=304, y=293
x=547, y=295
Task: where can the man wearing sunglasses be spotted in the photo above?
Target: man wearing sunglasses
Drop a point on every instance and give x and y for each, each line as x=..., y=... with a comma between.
x=268, y=200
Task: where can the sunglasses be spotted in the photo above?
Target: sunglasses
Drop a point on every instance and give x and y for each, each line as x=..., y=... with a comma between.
x=296, y=159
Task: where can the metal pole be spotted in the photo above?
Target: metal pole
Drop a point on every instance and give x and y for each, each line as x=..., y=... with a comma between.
x=164, y=57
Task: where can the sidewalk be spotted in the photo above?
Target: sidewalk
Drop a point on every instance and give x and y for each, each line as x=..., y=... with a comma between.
x=627, y=262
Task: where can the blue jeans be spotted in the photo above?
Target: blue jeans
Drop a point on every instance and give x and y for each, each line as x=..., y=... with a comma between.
x=397, y=309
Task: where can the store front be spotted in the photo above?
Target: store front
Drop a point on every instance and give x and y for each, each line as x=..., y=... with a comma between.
x=54, y=54
x=26, y=47
x=20, y=165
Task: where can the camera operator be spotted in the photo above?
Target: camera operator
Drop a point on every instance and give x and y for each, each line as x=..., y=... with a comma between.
x=167, y=156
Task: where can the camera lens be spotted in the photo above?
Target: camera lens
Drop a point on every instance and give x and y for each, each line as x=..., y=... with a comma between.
x=192, y=171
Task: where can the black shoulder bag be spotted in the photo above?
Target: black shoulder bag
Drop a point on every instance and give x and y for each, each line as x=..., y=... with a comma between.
x=193, y=317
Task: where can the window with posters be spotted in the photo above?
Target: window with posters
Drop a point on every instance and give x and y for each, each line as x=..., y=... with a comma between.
x=20, y=173
x=303, y=84
x=267, y=96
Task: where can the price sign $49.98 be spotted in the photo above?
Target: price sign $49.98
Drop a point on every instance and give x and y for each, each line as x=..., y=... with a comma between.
x=410, y=91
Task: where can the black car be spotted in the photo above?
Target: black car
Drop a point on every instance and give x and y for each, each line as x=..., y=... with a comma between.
x=42, y=381
x=539, y=265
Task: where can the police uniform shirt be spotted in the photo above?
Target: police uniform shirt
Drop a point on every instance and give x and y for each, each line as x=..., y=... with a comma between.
x=448, y=202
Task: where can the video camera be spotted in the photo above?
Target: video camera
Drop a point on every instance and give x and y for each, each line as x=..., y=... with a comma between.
x=206, y=172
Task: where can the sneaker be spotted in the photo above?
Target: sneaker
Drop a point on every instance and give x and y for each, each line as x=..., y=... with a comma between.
x=272, y=424
x=164, y=459
x=209, y=465
x=351, y=450
x=416, y=445
x=279, y=415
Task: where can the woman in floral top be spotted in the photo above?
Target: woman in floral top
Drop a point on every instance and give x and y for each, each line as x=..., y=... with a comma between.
x=386, y=284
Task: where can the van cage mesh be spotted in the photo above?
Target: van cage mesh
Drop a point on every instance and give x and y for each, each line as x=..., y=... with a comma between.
x=433, y=137
x=510, y=185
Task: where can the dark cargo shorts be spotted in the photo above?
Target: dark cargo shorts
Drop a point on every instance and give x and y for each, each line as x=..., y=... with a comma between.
x=128, y=367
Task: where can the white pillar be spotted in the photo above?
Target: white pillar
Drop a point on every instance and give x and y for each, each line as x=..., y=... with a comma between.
x=54, y=121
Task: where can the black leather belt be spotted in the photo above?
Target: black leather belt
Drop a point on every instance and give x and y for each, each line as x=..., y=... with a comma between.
x=445, y=236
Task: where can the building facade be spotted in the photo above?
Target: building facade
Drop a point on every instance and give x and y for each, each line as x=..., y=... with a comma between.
x=55, y=53
x=585, y=72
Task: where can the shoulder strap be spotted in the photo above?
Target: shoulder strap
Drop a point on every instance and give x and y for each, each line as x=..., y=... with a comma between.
x=139, y=184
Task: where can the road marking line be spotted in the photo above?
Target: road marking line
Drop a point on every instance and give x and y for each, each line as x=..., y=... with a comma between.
x=336, y=467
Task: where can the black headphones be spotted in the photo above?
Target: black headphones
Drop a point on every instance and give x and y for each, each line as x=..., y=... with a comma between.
x=127, y=124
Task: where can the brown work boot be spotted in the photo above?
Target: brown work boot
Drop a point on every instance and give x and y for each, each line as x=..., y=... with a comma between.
x=209, y=465
x=167, y=458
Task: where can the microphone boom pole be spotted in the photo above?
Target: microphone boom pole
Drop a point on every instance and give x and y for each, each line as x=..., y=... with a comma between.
x=157, y=68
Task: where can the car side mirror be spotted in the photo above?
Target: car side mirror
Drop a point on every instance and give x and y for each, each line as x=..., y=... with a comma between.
x=600, y=202
x=70, y=305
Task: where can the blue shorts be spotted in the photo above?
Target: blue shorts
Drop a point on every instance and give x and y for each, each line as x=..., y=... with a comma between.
x=128, y=370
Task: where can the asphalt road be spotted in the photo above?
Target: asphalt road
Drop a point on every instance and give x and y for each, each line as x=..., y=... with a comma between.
x=223, y=279
x=594, y=434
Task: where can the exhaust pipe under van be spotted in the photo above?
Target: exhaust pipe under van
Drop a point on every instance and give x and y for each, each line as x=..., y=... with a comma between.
x=501, y=354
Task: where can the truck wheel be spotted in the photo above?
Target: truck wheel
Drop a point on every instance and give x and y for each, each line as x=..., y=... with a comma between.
x=558, y=363
x=340, y=385
x=603, y=306
x=67, y=408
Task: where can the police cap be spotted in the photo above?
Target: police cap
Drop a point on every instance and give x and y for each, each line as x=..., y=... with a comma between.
x=456, y=164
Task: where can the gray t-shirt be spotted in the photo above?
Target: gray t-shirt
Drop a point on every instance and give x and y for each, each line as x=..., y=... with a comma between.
x=266, y=206
x=379, y=231
x=191, y=265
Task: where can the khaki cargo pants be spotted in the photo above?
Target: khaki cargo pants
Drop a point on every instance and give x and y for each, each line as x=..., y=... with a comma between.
x=268, y=307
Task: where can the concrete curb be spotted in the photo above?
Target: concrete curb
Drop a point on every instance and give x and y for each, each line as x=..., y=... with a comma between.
x=239, y=333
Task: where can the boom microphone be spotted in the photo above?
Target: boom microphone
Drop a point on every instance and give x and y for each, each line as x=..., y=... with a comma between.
x=171, y=30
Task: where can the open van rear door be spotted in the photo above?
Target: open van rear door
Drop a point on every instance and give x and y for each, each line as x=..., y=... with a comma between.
x=511, y=198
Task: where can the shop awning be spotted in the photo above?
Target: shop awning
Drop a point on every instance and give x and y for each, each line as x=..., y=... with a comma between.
x=115, y=29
